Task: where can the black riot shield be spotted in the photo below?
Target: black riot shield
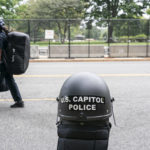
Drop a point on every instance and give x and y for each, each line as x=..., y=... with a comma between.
x=86, y=136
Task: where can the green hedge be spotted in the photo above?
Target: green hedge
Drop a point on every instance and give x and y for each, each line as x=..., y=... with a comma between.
x=137, y=38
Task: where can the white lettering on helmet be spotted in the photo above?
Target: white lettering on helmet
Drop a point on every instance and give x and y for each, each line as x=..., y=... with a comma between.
x=85, y=98
x=88, y=99
x=75, y=99
x=82, y=107
x=82, y=103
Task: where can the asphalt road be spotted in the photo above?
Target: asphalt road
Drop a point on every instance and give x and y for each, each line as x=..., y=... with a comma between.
x=33, y=127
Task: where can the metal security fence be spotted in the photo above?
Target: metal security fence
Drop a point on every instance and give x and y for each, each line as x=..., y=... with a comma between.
x=81, y=38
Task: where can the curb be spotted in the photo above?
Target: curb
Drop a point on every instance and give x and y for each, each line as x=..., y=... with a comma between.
x=89, y=59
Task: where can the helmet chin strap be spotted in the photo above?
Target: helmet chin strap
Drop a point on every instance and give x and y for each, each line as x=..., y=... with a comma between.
x=57, y=118
x=113, y=114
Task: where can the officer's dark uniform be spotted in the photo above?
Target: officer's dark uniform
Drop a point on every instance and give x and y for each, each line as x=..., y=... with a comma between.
x=9, y=77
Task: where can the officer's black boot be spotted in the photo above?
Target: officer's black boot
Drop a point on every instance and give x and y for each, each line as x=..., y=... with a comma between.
x=19, y=104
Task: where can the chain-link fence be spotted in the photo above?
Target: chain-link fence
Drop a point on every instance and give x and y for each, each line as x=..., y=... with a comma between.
x=79, y=38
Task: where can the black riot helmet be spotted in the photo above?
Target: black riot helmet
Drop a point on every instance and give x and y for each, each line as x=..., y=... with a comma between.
x=84, y=97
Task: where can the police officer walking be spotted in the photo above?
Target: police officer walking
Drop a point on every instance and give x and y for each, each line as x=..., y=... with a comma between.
x=9, y=77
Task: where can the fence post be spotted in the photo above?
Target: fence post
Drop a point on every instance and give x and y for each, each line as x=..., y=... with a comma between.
x=49, y=44
x=128, y=41
x=89, y=43
x=69, y=36
x=108, y=40
x=148, y=34
x=89, y=27
x=29, y=27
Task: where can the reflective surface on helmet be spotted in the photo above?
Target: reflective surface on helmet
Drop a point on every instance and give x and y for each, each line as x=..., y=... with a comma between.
x=84, y=96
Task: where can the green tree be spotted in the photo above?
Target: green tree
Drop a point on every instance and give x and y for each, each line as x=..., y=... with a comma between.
x=22, y=12
x=130, y=28
x=114, y=9
x=109, y=9
x=8, y=8
x=57, y=9
x=148, y=11
x=93, y=33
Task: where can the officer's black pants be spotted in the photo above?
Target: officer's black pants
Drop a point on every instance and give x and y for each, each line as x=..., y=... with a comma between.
x=14, y=90
x=83, y=138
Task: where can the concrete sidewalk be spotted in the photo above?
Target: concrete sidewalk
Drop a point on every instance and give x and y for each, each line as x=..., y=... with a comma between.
x=89, y=59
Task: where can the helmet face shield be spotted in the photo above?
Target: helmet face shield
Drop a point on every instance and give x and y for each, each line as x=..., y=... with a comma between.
x=84, y=97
